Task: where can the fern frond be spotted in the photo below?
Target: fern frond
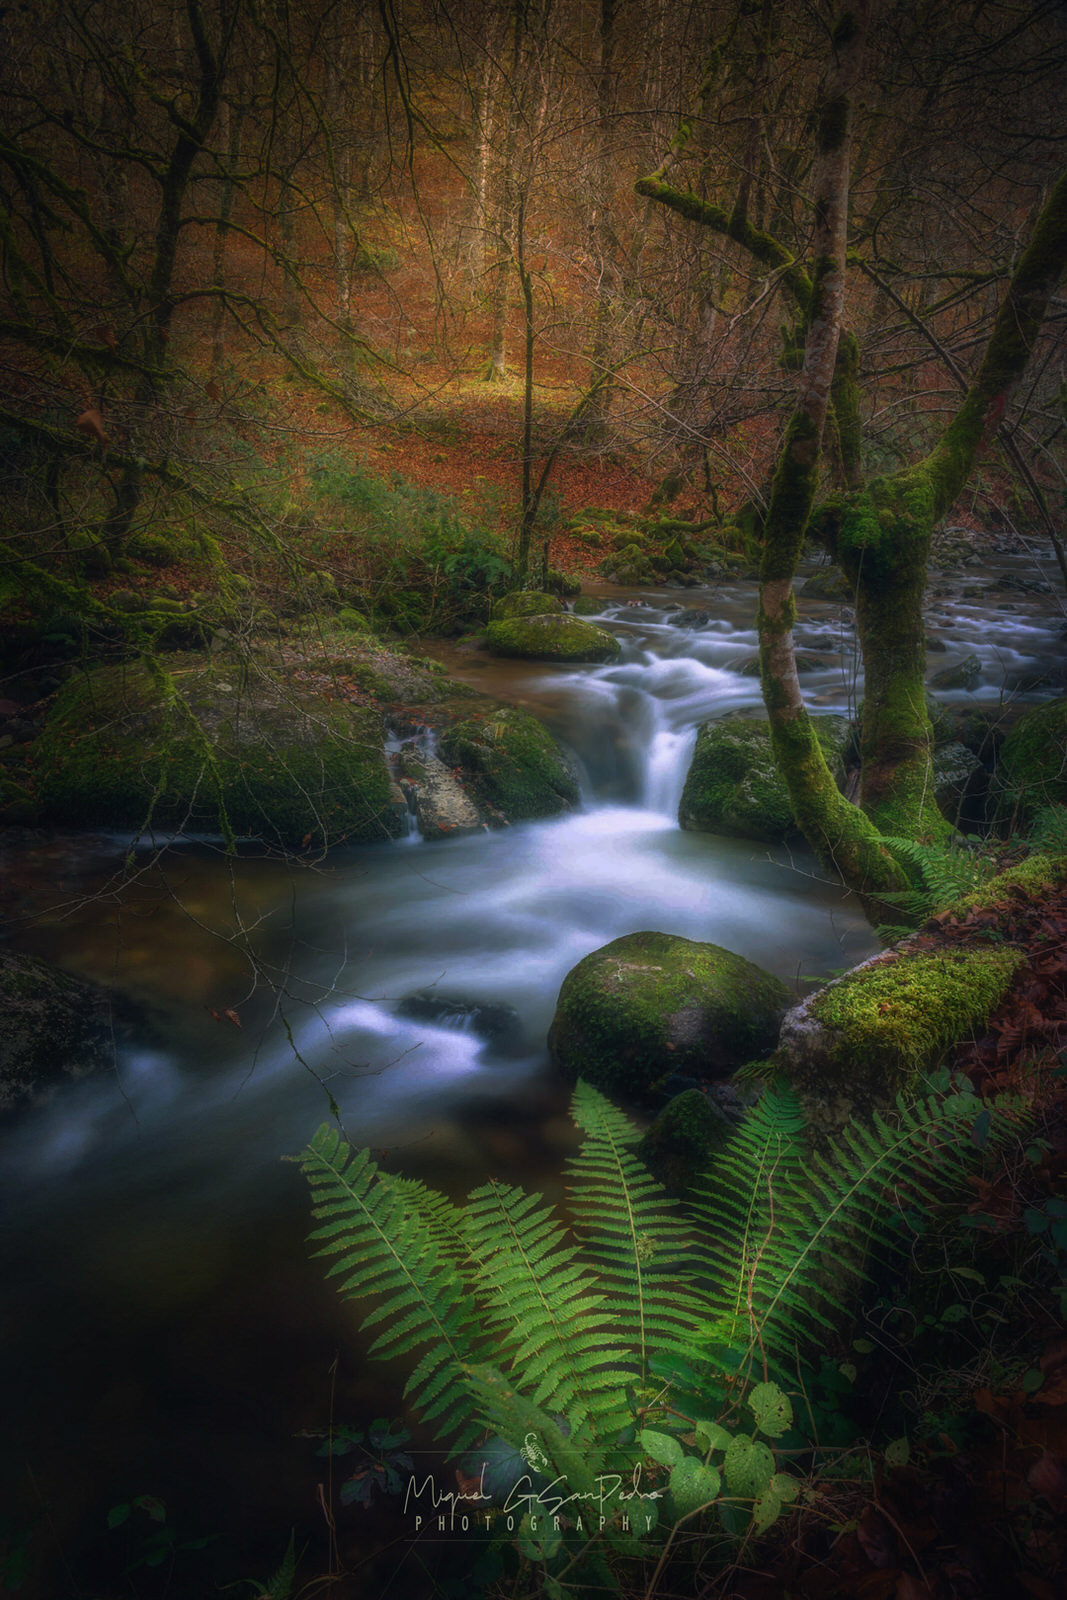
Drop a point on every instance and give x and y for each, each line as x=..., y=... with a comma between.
x=813, y=1220
x=388, y=1242
x=634, y=1229
x=540, y=1303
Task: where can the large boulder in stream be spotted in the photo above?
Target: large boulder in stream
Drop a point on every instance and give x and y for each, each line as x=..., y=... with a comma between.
x=650, y=1005
x=733, y=786
x=551, y=638
x=215, y=747
x=511, y=765
x=52, y=1026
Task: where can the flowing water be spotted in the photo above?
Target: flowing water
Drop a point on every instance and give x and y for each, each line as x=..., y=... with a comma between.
x=164, y=1331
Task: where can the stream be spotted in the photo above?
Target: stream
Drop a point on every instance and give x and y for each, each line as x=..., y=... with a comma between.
x=165, y=1333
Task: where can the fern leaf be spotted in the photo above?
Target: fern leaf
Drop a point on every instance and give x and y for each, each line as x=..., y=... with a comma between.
x=634, y=1229
x=388, y=1245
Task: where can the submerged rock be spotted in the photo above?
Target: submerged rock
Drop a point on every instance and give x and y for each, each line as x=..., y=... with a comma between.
x=52, y=1026
x=966, y=674
x=511, y=765
x=651, y=1004
x=210, y=746
x=551, y=638
x=486, y=1019
x=733, y=787
x=959, y=783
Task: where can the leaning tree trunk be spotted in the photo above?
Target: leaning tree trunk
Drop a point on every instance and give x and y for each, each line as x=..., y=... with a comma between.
x=841, y=836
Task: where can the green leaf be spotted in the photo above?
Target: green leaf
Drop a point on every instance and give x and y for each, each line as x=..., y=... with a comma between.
x=156, y=1510
x=766, y=1510
x=862, y=1346
x=693, y=1485
x=772, y=1410
x=710, y=1434
x=785, y=1487
x=848, y=1370
x=539, y=1539
x=661, y=1447
x=1036, y=1221
x=118, y=1515
x=1032, y=1380
x=898, y=1454
x=748, y=1465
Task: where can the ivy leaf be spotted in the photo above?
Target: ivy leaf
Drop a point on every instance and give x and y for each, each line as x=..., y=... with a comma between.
x=898, y=1454
x=661, y=1447
x=749, y=1465
x=710, y=1434
x=693, y=1485
x=785, y=1487
x=766, y=1510
x=772, y=1409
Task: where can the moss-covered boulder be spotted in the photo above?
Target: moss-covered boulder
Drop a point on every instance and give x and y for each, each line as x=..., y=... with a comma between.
x=551, y=638
x=527, y=603
x=965, y=674
x=214, y=747
x=855, y=1044
x=1032, y=771
x=586, y=606
x=678, y=1145
x=511, y=764
x=733, y=787
x=52, y=1026
x=650, y=1004
x=829, y=583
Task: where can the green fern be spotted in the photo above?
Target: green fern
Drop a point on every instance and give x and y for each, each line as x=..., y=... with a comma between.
x=939, y=874
x=789, y=1231
x=634, y=1232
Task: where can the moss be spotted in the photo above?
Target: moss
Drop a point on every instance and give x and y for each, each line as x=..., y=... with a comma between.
x=586, y=606
x=733, y=786
x=1039, y=874
x=651, y=1003
x=551, y=638
x=199, y=749
x=512, y=765
x=527, y=603
x=891, y=1019
x=1033, y=763
x=680, y=1142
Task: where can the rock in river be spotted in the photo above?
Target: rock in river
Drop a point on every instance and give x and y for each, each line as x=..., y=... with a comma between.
x=650, y=1004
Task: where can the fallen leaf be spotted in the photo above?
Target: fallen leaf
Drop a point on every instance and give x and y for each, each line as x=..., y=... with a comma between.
x=231, y=1016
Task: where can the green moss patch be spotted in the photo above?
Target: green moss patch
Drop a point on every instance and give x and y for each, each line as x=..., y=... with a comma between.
x=227, y=748
x=649, y=1004
x=511, y=764
x=551, y=638
x=858, y=1042
x=527, y=603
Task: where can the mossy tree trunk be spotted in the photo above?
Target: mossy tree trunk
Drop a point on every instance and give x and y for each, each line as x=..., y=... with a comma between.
x=880, y=533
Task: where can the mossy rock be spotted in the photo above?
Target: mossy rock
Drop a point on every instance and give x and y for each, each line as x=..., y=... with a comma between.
x=527, y=603
x=562, y=583
x=964, y=675
x=652, y=1004
x=678, y=1145
x=217, y=748
x=1032, y=771
x=512, y=766
x=551, y=638
x=855, y=1044
x=828, y=584
x=52, y=1026
x=586, y=606
x=733, y=787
